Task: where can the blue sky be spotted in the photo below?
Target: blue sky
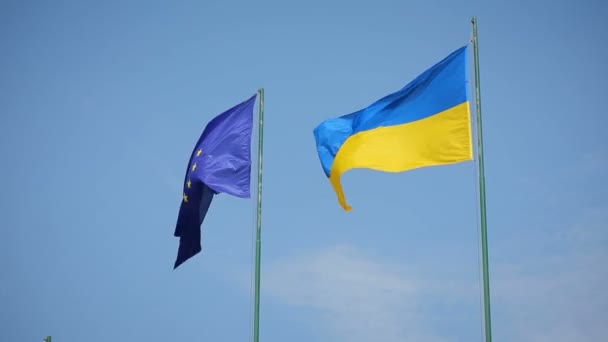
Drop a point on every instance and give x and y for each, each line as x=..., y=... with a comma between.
x=101, y=103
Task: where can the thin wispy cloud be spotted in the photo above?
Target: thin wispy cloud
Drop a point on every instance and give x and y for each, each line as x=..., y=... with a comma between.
x=358, y=297
x=556, y=295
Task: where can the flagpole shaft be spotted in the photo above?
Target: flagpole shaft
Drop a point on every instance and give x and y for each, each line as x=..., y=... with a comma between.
x=258, y=238
x=482, y=191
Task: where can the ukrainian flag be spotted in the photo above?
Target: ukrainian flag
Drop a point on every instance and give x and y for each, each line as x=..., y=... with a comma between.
x=426, y=123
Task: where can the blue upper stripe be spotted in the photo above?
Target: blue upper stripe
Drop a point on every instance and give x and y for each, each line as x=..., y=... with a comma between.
x=439, y=88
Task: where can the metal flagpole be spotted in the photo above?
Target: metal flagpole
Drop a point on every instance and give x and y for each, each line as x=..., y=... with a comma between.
x=258, y=239
x=482, y=191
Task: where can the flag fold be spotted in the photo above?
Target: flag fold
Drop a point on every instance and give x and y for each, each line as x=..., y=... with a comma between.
x=425, y=123
x=220, y=163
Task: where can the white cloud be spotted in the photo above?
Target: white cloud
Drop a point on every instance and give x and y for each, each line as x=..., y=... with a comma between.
x=557, y=295
x=359, y=297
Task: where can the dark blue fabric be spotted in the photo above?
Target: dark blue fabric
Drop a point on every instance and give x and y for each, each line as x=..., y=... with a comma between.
x=220, y=163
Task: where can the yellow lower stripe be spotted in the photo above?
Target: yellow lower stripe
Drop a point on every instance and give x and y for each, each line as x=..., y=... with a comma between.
x=444, y=138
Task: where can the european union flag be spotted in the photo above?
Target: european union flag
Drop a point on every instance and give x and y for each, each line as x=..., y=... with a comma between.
x=220, y=163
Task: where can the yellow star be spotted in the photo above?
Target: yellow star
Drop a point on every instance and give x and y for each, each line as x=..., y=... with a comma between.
x=194, y=167
x=189, y=184
x=198, y=153
x=185, y=198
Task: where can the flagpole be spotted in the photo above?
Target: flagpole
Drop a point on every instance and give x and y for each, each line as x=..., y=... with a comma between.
x=482, y=191
x=258, y=239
